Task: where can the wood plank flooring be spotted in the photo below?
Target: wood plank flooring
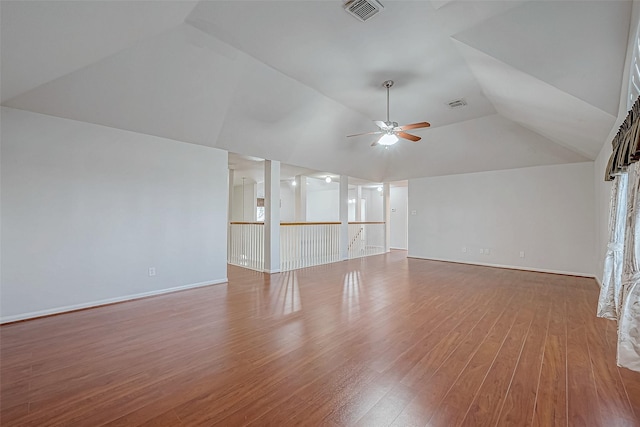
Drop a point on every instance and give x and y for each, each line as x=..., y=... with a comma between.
x=377, y=341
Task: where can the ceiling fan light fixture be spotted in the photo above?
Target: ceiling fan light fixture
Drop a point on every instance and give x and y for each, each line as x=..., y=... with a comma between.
x=388, y=139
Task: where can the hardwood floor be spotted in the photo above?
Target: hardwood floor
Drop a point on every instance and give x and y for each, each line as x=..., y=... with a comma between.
x=378, y=341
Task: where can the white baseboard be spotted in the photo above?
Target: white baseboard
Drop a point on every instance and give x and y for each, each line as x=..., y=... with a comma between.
x=59, y=310
x=598, y=281
x=510, y=267
x=272, y=271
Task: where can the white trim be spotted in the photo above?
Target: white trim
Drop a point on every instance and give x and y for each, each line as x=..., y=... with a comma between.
x=272, y=271
x=510, y=267
x=59, y=310
x=598, y=281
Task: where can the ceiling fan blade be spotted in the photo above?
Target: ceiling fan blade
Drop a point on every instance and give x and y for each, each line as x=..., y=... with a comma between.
x=408, y=136
x=367, y=133
x=374, y=143
x=414, y=126
x=381, y=124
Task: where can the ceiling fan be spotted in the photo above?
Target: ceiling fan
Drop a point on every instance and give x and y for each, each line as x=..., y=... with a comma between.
x=389, y=130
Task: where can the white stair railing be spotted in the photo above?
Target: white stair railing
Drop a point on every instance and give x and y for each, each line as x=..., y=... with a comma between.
x=366, y=238
x=303, y=244
x=246, y=245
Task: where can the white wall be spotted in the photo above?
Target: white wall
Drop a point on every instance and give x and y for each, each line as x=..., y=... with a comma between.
x=375, y=202
x=547, y=212
x=244, y=202
x=323, y=204
x=399, y=219
x=353, y=195
x=87, y=209
x=602, y=204
x=322, y=200
x=287, y=202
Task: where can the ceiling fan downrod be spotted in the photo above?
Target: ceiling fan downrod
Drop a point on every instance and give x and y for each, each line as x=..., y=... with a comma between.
x=388, y=84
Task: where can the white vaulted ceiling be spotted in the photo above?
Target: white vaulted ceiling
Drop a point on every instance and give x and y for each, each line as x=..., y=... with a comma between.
x=43, y=40
x=288, y=80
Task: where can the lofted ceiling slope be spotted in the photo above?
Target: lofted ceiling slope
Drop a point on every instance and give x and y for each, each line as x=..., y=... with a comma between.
x=288, y=80
x=44, y=40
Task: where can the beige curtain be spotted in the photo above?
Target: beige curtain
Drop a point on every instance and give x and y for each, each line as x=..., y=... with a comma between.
x=610, y=301
x=620, y=294
x=629, y=316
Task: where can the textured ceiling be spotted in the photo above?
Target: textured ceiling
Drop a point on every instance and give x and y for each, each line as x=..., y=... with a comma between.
x=288, y=80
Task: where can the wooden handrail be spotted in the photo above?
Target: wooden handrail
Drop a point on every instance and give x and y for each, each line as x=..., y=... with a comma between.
x=304, y=223
x=245, y=223
x=309, y=223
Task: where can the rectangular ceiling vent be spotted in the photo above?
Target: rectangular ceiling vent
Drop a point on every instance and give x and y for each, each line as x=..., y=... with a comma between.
x=363, y=9
x=458, y=103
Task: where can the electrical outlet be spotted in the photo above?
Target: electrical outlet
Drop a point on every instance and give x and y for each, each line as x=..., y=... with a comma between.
x=464, y=249
x=481, y=251
x=414, y=212
x=487, y=251
x=521, y=254
x=152, y=271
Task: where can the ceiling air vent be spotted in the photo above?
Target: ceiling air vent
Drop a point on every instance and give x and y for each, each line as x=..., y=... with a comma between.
x=363, y=9
x=458, y=103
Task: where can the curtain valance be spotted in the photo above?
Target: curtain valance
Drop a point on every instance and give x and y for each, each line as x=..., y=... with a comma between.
x=626, y=144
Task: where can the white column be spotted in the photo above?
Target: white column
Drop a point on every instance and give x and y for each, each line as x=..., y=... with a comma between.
x=344, y=217
x=301, y=198
x=359, y=203
x=386, y=207
x=230, y=209
x=271, y=216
